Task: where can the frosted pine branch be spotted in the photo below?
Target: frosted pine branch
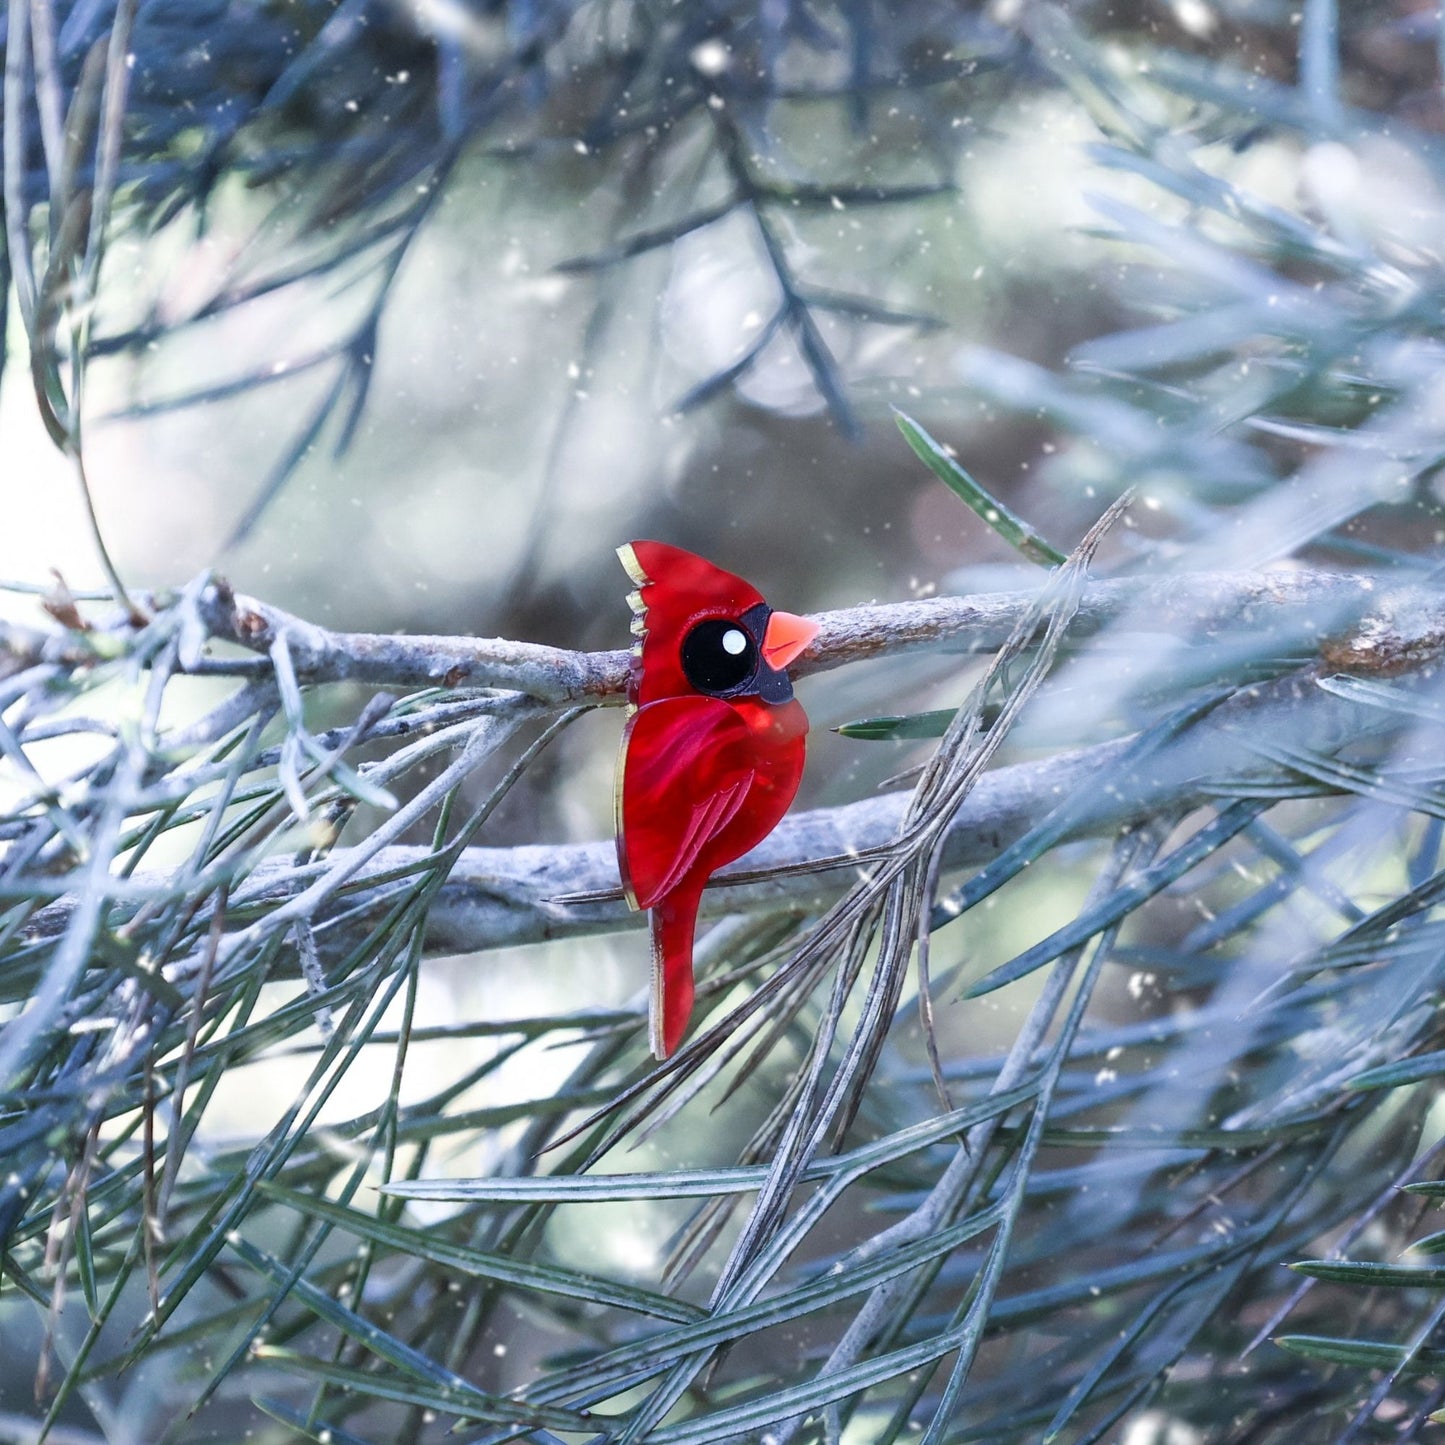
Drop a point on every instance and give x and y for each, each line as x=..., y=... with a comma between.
x=496, y=897
x=1323, y=606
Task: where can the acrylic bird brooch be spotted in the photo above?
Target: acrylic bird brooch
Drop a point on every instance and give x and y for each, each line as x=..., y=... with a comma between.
x=712, y=754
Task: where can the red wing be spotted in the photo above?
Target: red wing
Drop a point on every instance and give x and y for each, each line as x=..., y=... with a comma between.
x=686, y=768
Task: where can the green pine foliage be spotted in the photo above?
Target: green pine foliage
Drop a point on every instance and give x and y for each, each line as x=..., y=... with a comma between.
x=1129, y=1131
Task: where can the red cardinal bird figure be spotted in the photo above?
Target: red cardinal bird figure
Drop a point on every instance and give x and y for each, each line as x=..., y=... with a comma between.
x=712, y=754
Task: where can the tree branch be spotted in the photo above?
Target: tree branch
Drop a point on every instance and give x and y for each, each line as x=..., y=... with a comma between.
x=1319, y=608
x=506, y=896
x=500, y=896
x=497, y=897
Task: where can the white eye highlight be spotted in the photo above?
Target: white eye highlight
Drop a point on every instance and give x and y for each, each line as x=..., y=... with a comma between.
x=734, y=642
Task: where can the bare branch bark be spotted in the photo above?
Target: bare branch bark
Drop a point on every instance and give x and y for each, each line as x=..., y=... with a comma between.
x=496, y=897
x=1324, y=607
x=505, y=895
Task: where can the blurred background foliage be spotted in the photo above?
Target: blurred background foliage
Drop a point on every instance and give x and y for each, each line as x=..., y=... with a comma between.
x=403, y=315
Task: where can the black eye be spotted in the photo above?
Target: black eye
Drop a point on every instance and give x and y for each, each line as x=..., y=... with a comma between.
x=718, y=656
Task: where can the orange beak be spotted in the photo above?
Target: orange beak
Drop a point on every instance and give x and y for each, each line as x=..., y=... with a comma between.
x=785, y=638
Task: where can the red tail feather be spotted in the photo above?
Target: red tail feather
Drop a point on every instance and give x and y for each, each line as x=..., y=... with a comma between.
x=673, y=920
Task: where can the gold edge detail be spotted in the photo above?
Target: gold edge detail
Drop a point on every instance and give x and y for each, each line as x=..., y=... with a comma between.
x=618, y=777
x=631, y=565
x=654, y=1014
